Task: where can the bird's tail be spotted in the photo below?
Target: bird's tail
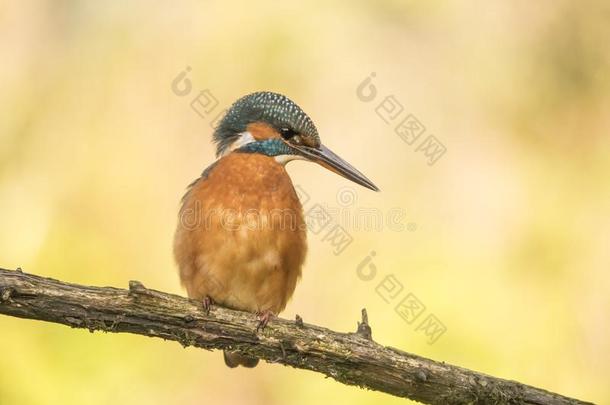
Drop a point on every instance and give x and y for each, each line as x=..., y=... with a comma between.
x=233, y=359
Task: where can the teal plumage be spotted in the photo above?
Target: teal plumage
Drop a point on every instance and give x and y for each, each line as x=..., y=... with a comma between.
x=275, y=109
x=268, y=147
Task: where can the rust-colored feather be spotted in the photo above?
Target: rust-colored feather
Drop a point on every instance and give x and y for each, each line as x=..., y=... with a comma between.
x=241, y=237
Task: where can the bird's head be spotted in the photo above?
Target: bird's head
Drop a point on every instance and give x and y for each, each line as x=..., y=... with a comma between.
x=272, y=124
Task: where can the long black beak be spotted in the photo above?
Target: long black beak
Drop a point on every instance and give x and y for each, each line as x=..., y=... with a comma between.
x=328, y=159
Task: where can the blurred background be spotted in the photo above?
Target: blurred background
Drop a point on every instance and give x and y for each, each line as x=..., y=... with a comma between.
x=504, y=238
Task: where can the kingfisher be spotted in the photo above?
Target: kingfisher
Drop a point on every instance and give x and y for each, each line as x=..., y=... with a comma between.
x=241, y=236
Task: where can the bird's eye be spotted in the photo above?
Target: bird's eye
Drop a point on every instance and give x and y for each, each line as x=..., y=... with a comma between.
x=287, y=133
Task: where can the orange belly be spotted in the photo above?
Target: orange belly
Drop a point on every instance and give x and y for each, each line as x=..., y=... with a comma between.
x=241, y=237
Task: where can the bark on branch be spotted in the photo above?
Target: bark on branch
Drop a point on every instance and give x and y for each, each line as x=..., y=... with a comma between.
x=350, y=358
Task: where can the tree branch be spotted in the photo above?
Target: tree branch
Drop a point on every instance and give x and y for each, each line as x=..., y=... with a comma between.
x=350, y=358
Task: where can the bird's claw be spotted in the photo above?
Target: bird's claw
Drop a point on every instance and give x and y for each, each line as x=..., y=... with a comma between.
x=207, y=304
x=263, y=319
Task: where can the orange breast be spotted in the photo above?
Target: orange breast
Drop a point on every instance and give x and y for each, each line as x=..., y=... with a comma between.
x=241, y=237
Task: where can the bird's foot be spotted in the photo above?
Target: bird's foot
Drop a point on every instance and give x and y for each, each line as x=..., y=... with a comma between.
x=263, y=319
x=207, y=304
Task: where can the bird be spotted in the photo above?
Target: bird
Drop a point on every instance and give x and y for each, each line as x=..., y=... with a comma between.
x=241, y=241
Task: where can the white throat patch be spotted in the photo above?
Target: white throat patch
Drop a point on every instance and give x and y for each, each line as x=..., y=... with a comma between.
x=283, y=159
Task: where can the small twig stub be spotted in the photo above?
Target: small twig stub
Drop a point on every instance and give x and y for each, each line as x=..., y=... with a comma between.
x=364, y=328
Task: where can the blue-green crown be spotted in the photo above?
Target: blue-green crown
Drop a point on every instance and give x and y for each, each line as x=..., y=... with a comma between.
x=274, y=109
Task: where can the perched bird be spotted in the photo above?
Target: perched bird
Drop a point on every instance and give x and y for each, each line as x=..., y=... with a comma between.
x=241, y=235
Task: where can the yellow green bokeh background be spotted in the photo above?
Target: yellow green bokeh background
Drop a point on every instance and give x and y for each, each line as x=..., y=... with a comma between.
x=508, y=236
